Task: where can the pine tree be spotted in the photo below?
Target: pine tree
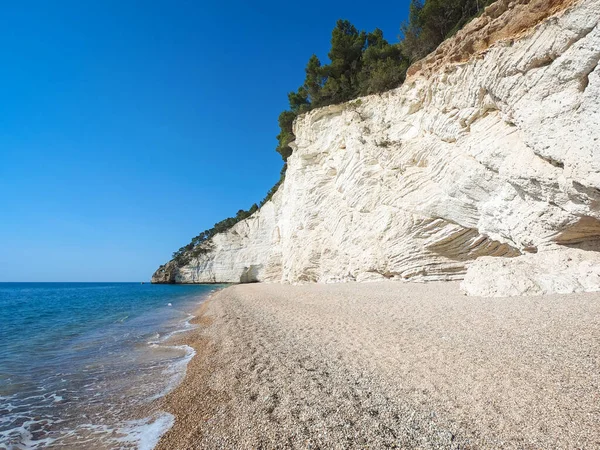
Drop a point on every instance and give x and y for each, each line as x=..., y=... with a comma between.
x=313, y=83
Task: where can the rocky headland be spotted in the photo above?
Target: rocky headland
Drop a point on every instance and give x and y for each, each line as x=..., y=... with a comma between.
x=484, y=166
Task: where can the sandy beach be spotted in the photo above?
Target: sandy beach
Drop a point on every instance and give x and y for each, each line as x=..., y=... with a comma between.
x=389, y=365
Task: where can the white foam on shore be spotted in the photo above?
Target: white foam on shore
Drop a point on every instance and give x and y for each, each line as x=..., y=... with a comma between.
x=175, y=371
x=142, y=434
x=145, y=433
x=23, y=437
x=187, y=326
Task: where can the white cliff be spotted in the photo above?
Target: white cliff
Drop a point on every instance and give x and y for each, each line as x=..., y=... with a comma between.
x=493, y=154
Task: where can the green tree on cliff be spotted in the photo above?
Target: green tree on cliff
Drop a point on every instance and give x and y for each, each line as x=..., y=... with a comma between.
x=360, y=63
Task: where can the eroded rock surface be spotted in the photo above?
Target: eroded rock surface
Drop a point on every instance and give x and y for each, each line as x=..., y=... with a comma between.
x=495, y=153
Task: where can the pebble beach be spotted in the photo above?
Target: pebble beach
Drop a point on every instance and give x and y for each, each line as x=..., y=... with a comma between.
x=388, y=365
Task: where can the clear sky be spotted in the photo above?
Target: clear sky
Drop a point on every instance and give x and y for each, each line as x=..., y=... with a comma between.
x=126, y=128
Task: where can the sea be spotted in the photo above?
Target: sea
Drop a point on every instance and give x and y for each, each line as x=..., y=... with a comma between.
x=83, y=365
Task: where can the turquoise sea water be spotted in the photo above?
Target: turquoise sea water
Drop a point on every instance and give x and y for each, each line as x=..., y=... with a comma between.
x=81, y=364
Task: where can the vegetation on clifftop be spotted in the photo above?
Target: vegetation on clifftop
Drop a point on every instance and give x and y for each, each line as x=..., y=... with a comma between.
x=360, y=63
x=198, y=246
x=364, y=63
x=194, y=248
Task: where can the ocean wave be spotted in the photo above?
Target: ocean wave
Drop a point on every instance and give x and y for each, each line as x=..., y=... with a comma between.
x=91, y=390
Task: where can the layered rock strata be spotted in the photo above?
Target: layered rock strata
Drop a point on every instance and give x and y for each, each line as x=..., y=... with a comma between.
x=490, y=152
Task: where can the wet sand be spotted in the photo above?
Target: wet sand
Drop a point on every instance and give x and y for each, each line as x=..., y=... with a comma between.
x=381, y=365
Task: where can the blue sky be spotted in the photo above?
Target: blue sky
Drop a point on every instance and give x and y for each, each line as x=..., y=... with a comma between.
x=126, y=128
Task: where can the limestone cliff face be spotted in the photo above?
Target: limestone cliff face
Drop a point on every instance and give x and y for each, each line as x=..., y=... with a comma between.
x=487, y=159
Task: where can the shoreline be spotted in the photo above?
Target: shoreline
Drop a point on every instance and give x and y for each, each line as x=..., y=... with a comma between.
x=151, y=418
x=102, y=385
x=378, y=364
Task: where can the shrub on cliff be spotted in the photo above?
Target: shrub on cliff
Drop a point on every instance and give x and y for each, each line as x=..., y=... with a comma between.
x=198, y=244
x=276, y=187
x=384, y=66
